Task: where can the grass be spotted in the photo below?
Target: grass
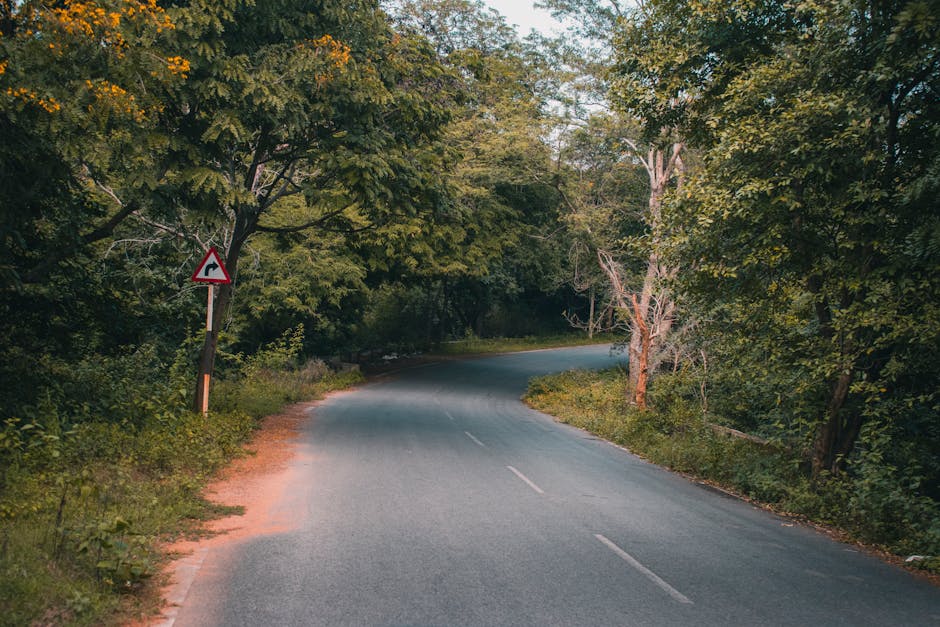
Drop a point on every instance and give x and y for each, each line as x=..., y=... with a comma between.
x=474, y=345
x=866, y=507
x=82, y=512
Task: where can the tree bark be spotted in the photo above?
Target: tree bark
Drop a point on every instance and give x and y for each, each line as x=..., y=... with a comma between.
x=223, y=299
x=591, y=316
x=829, y=432
x=641, y=311
x=642, y=356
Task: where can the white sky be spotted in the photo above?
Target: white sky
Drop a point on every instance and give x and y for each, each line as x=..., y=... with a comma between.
x=525, y=17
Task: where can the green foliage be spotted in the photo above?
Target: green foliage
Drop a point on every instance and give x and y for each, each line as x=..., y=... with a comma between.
x=492, y=261
x=795, y=229
x=121, y=559
x=280, y=354
x=309, y=279
x=472, y=345
x=265, y=391
x=86, y=490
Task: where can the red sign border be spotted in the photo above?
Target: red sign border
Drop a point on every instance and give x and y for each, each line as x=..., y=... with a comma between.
x=212, y=251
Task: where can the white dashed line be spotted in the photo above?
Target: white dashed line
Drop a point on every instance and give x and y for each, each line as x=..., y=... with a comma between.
x=472, y=437
x=527, y=480
x=675, y=594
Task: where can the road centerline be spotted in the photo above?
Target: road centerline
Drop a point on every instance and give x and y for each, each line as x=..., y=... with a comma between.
x=528, y=481
x=473, y=437
x=629, y=559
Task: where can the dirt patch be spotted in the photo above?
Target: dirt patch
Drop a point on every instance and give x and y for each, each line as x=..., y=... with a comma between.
x=257, y=483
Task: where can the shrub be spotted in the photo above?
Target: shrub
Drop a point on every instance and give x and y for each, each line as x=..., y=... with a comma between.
x=87, y=485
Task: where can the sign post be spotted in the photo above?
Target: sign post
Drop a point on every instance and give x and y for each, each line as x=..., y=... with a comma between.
x=211, y=271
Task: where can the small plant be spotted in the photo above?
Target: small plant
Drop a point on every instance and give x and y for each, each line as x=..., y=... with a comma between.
x=121, y=559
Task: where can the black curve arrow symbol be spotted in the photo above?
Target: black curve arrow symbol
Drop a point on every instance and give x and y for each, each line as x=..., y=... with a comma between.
x=210, y=267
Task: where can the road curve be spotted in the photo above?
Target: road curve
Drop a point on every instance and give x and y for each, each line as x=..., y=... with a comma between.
x=435, y=497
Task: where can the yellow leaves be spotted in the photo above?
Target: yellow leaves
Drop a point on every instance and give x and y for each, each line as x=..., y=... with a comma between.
x=178, y=65
x=28, y=96
x=3, y=67
x=92, y=21
x=337, y=53
x=84, y=18
x=114, y=98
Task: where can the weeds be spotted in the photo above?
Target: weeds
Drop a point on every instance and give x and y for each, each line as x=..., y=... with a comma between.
x=475, y=345
x=85, y=494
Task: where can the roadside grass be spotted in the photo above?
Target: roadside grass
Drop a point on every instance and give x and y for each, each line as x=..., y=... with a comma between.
x=82, y=508
x=473, y=345
x=676, y=435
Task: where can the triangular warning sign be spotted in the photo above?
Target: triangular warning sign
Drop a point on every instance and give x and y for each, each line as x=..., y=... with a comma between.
x=211, y=269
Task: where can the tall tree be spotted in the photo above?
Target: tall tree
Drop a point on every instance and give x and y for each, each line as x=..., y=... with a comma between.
x=81, y=93
x=287, y=100
x=615, y=194
x=645, y=301
x=802, y=221
x=502, y=200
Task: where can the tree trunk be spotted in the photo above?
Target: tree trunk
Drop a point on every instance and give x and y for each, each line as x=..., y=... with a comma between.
x=641, y=312
x=591, y=316
x=830, y=432
x=223, y=299
x=642, y=357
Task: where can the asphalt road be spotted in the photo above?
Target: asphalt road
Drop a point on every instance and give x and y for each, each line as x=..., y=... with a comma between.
x=435, y=497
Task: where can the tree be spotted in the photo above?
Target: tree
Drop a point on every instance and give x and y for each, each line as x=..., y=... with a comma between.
x=801, y=221
x=86, y=78
x=284, y=101
x=618, y=230
x=488, y=252
x=81, y=87
x=644, y=301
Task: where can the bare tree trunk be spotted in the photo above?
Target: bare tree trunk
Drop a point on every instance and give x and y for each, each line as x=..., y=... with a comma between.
x=641, y=311
x=591, y=316
x=651, y=308
x=642, y=357
x=660, y=170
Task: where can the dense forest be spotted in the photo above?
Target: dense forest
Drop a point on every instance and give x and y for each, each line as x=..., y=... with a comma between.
x=744, y=193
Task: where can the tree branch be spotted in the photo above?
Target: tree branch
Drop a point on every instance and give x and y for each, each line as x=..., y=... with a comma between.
x=318, y=222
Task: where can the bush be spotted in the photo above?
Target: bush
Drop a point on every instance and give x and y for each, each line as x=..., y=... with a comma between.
x=87, y=485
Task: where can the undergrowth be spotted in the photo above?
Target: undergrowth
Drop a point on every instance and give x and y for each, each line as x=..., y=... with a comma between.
x=88, y=488
x=472, y=344
x=870, y=502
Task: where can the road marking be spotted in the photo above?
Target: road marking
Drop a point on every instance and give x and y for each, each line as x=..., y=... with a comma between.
x=527, y=480
x=675, y=594
x=470, y=435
